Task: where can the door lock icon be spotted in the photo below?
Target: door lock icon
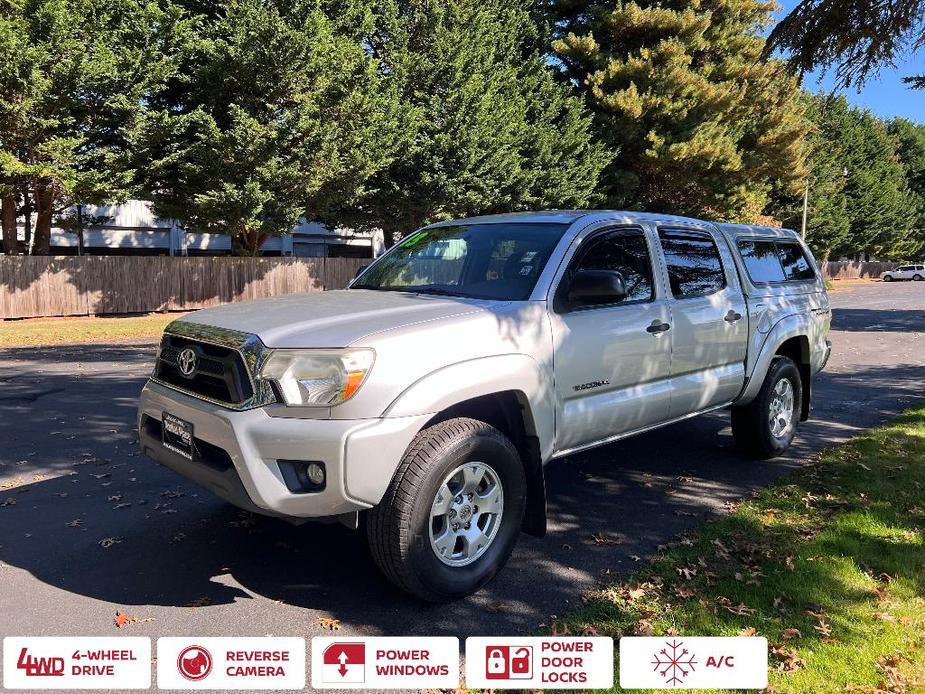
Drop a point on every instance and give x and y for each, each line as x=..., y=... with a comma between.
x=508, y=662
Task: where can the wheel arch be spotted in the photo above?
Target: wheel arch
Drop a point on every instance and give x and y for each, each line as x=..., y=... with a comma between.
x=788, y=338
x=513, y=393
x=509, y=412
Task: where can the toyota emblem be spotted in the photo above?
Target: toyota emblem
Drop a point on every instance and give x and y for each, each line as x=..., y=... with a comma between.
x=186, y=361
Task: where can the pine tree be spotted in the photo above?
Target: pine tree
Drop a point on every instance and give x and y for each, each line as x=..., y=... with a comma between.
x=859, y=196
x=910, y=139
x=700, y=124
x=492, y=130
x=273, y=114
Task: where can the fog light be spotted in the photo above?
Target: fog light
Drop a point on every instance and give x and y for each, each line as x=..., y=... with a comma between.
x=315, y=473
x=303, y=476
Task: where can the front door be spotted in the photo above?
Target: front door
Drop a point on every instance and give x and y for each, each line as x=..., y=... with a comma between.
x=612, y=362
x=710, y=323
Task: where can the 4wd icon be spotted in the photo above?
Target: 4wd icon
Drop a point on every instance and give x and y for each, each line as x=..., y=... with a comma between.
x=344, y=662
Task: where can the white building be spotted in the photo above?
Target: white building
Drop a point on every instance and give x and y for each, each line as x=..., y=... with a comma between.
x=133, y=229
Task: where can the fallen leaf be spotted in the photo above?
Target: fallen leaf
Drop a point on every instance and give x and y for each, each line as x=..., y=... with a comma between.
x=684, y=593
x=789, y=562
x=123, y=619
x=788, y=659
x=562, y=630
x=328, y=623
x=108, y=542
x=749, y=631
x=792, y=634
x=498, y=607
x=602, y=539
x=643, y=628
x=8, y=502
x=884, y=617
x=76, y=523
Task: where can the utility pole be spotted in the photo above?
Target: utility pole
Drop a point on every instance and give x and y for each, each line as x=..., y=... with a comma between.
x=805, y=209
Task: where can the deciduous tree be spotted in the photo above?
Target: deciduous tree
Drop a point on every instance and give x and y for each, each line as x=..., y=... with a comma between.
x=272, y=113
x=857, y=37
x=73, y=76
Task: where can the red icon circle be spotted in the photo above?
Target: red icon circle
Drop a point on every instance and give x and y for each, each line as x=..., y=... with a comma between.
x=194, y=663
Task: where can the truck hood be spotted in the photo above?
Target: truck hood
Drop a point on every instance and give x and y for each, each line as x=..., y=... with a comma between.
x=333, y=319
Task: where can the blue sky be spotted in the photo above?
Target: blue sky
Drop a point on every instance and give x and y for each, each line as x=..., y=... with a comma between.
x=885, y=94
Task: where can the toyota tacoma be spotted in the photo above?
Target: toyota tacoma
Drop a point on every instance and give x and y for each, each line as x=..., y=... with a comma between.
x=423, y=402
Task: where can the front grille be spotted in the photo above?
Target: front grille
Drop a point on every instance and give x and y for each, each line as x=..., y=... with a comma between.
x=220, y=373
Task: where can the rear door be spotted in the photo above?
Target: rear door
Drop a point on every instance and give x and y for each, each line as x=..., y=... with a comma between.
x=612, y=363
x=710, y=324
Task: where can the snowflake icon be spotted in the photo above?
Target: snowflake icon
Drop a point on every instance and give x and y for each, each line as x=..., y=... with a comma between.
x=674, y=662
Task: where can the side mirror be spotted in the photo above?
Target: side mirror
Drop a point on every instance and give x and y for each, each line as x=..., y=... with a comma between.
x=596, y=288
x=360, y=270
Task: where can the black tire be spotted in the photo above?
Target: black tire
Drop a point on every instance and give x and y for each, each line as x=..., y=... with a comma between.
x=751, y=427
x=916, y=278
x=398, y=529
x=888, y=278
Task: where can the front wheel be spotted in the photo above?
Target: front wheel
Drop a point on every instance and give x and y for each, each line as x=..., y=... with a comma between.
x=887, y=278
x=451, y=516
x=766, y=426
x=916, y=278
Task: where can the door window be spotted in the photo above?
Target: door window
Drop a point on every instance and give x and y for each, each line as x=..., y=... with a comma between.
x=626, y=252
x=693, y=263
x=776, y=261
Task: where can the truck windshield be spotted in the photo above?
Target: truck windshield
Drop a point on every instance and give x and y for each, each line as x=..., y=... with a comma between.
x=480, y=261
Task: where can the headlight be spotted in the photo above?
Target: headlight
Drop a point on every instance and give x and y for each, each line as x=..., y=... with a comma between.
x=318, y=377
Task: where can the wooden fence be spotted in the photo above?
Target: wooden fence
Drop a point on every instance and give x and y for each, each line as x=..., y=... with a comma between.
x=852, y=270
x=99, y=285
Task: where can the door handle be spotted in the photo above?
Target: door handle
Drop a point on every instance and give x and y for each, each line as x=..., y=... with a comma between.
x=658, y=327
x=733, y=316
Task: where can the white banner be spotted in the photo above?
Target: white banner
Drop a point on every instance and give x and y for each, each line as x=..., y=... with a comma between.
x=76, y=662
x=385, y=662
x=258, y=662
x=703, y=662
x=542, y=662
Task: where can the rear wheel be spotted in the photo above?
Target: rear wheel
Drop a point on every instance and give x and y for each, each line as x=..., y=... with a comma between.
x=452, y=513
x=766, y=426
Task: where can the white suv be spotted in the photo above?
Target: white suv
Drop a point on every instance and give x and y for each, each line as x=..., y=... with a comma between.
x=915, y=273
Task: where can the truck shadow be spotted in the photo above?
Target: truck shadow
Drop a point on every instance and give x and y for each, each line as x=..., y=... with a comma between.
x=81, y=511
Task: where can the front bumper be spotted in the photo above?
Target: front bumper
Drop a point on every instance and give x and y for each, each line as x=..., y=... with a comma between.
x=240, y=450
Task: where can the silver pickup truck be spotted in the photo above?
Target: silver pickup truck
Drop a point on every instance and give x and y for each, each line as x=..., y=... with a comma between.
x=424, y=401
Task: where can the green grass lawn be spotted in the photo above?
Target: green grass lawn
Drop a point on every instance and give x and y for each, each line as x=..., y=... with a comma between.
x=828, y=565
x=33, y=332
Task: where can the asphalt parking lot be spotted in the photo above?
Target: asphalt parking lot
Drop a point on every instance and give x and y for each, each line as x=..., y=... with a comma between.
x=88, y=526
